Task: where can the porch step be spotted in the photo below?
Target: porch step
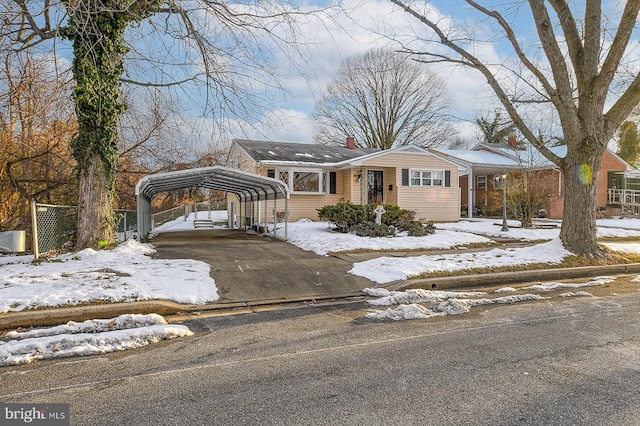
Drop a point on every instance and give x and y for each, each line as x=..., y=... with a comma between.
x=202, y=223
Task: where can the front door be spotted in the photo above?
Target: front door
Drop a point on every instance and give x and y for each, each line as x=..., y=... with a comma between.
x=375, y=188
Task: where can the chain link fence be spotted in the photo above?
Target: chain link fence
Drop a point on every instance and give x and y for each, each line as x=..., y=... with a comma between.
x=55, y=227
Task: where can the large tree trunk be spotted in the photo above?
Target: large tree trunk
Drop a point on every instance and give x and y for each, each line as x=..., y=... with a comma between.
x=578, y=232
x=95, y=212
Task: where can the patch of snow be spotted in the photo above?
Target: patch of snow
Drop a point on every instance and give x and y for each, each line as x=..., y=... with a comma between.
x=320, y=239
x=387, y=269
x=579, y=293
x=597, y=281
x=387, y=297
x=448, y=307
x=505, y=290
x=87, y=338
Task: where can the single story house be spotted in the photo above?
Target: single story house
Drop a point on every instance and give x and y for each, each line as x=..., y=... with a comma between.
x=411, y=177
x=617, y=191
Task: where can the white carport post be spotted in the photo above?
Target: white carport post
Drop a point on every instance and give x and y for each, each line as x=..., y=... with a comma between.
x=266, y=217
x=286, y=218
x=275, y=211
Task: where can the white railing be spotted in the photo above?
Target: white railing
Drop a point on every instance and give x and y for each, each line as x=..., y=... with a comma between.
x=626, y=198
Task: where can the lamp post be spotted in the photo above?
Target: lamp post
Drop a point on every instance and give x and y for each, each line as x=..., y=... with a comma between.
x=503, y=181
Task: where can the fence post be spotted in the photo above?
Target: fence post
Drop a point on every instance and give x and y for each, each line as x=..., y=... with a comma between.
x=34, y=229
x=125, y=226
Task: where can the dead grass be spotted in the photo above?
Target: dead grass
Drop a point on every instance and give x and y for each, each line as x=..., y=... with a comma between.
x=415, y=250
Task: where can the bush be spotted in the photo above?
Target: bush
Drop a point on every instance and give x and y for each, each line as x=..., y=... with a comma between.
x=372, y=229
x=349, y=217
x=345, y=215
x=394, y=215
x=417, y=229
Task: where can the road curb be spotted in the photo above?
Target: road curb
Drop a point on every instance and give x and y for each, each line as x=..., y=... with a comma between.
x=499, y=278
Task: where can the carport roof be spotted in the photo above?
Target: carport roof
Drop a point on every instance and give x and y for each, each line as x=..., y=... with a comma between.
x=244, y=184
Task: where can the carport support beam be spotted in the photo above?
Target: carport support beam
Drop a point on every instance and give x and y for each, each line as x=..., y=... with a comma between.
x=286, y=218
x=266, y=218
x=275, y=212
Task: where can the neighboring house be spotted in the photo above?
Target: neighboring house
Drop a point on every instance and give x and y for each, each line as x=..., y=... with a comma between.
x=616, y=178
x=411, y=177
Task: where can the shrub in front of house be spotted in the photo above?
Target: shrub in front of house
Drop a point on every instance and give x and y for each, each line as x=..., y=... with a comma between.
x=372, y=229
x=345, y=215
x=415, y=228
x=349, y=217
x=395, y=216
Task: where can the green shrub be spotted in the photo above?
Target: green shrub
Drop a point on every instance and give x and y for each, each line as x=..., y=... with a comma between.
x=417, y=229
x=345, y=215
x=372, y=229
x=349, y=217
x=394, y=215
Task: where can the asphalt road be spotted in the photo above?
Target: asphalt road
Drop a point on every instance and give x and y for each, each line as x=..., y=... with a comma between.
x=569, y=361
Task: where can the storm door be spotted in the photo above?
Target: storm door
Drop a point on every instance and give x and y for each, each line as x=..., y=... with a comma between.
x=375, y=187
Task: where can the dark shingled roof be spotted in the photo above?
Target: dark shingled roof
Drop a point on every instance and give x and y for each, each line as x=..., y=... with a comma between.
x=299, y=152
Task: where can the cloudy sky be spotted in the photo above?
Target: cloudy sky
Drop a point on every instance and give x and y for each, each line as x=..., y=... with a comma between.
x=322, y=40
x=304, y=68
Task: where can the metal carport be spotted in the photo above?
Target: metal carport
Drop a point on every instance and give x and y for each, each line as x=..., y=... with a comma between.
x=248, y=187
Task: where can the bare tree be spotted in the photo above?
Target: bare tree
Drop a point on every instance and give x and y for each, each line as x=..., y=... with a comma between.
x=203, y=49
x=383, y=99
x=577, y=67
x=36, y=126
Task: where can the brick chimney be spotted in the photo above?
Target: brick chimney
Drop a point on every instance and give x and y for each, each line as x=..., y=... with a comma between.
x=512, y=141
x=351, y=143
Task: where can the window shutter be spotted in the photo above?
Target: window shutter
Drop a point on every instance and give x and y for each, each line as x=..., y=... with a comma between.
x=447, y=178
x=271, y=173
x=405, y=177
x=332, y=182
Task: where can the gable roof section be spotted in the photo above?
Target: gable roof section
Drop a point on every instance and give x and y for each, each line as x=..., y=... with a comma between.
x=266, y=151
x=324, y=155
x=406, y=149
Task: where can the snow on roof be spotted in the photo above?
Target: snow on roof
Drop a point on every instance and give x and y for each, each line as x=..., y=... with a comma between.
x=292, y=152
x=480, y=157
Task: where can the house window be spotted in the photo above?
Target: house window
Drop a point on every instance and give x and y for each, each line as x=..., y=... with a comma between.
x=306, y=182
x=310, y=181
x=427, y=177
x=481, y=182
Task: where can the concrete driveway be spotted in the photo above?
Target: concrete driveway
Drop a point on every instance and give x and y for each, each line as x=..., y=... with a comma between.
x=248, y=267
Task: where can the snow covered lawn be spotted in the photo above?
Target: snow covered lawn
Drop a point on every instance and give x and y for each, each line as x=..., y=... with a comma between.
x=123, y=274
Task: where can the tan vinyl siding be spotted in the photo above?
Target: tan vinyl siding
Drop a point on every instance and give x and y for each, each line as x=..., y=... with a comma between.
x=239, y=159
x=350, y=185
x=435, y=204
